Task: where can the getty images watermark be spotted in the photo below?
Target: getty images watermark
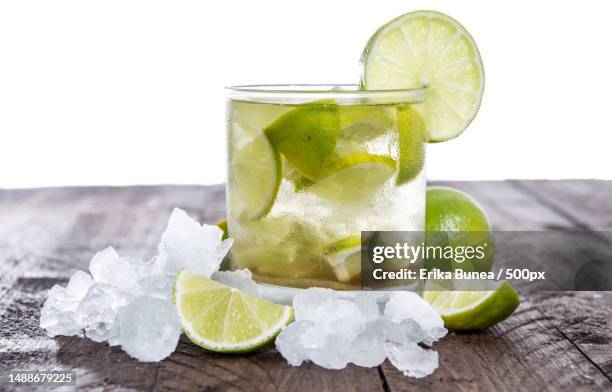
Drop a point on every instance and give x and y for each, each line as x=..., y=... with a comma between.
x=536, y=261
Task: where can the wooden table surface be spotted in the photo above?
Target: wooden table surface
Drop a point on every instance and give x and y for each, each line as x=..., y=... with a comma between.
x=554, y=341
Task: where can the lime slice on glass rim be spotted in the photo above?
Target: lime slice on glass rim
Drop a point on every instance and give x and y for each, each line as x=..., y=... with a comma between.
x=256, y=176
x=474, y=310
x=428, y=48
x=223, y=319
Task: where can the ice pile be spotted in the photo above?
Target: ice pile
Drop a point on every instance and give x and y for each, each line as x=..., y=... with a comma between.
x=333, y=330
x=128, y=301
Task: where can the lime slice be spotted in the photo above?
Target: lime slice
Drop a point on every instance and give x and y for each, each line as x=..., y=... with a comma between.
x=361, y=123
x=225, y=263
x=255, y=177
x=307, y=136
x=223, y=319
x=472, y=310
x=345, y=258
x=411, y=128
x=354, y=178
x=428, y=48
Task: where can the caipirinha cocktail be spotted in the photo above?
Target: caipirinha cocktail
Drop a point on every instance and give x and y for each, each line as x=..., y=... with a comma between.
x=309, y=171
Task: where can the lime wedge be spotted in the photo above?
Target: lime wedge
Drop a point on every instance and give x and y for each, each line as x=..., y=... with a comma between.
x=353, y=179
x=306, y=136
x=345, y=258
x=428, y=48
x=255, y=177
x=361, y=123
x=222, y=224
x=223, y=319
x=411, y=128
x=473, y=310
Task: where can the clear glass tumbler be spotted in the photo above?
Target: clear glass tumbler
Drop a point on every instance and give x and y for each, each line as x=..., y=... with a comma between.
x=310, y=167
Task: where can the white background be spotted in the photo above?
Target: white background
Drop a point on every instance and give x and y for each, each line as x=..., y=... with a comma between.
x=124, y=92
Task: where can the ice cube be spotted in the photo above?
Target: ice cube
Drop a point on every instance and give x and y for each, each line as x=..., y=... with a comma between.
x=346, y=320
x=368, y=306
x=413, y=360
x=149, y=329
x=107, y=267
x=303, y=340
x=412, y=331
x=368, y=350
x=330, y=314
x=289, y=342
x=238, y=279
x=186, y=243
x=78, y=285
x=97, y=312
x=307, y=303
x=333, y=353
x=333, y=329
x=151, y=279
x=404, y=305
x=57, y=313
x=326, y=329
x=389, y=331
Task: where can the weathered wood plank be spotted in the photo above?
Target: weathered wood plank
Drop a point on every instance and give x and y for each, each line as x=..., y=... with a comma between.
x=523, y=353
x=585, y=318
x=587, y=203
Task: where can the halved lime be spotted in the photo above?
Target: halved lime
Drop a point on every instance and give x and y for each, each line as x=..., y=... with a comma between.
x=353, y=178
x=345, y=258
x=428, y=48
x=223, y=319
x=454, y=218
x=472, y=310
x=306, y=136
x=412, y=129
x=255, y=177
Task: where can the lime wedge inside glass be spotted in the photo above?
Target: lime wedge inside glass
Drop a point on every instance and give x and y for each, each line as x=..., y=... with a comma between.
x=223, y=319
x=354, y=178
x=345, y=258
x=256, y=177
x=412, y=129
x=431, y=49
x=306, y=136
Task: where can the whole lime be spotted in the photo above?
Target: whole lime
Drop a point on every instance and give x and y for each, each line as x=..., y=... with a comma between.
x=460, y=228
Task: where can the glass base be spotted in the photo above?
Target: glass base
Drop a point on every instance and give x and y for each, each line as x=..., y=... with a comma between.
x=284, y=295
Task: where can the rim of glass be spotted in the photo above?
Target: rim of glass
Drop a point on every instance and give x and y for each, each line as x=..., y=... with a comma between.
x=342, y=93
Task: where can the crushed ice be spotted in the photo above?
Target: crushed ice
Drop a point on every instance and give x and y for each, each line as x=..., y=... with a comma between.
x=333, y=330
x=127, y=301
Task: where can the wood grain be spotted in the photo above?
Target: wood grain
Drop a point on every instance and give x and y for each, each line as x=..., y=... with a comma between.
x=554, y=341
